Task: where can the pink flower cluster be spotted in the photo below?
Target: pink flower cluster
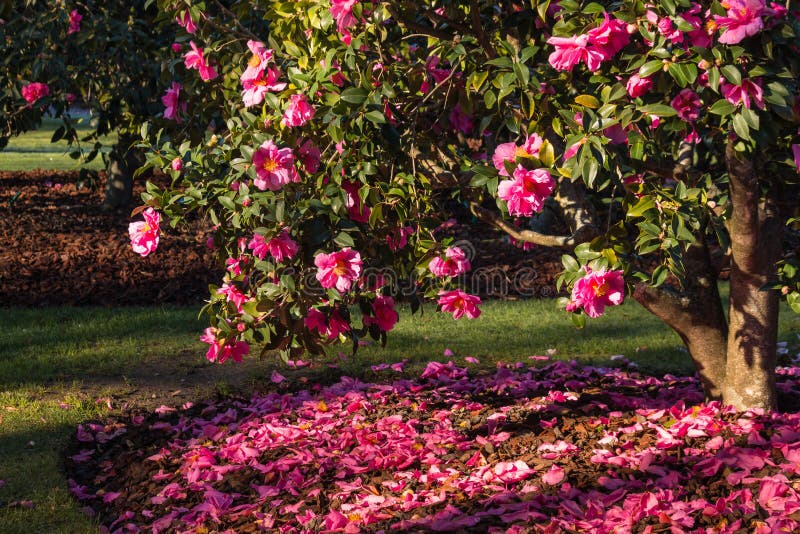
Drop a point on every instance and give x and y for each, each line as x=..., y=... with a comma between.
x=144, y=234
x=173, y=106
x=746, y=94
x=509, y=152
x=274, y=166
x=526, y=192
x=33, y=92
x=196, y=59
x=384, y=316
x=743, y=19
x=187, y=23
x=596, y=290
x=459, y=304
x=281, y=247
x=75, y=19
x=592, y=48
x=259, y=78
x=221, y=350
x=329, y=327
x=342, y=11
x=454, y=263
x=298, y=112
x=338, y=269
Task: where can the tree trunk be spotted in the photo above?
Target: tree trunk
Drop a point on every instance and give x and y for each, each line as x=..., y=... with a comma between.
x=696, y=314
x=755, y=229
x=123, y=162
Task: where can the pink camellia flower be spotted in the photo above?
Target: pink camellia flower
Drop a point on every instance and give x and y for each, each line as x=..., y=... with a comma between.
x=195, y=59
x=687, y=103
x=177, y=164
x=610, y=37
x=75, y=19
x=459, y=120
x=569, y=51
x=459, y=304
x=638, y=86
x=259, y=246
x=172, y=103
x=598, y=289
x=220, y=350
x=254, y=89
x=258, y=78
x=700, y=36
x=509, y=152
x=455, y=263
x=234, y=295
x=338, y=269
x=34, y=92
x=274, y=167
x=144, y=234
x=398, y=238
x=741, y=94
x=282, y=247
x=356, y=209
x=176, y=47
x=385, y=315
x=298, y=112
x=526, y=192
x=329, y=327
x=342, y=11
x=309, y=155
x=187, y=22
x=743, y=20
x=234, y=265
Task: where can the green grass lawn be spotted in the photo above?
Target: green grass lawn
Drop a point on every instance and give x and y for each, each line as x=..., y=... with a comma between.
x=57, y=367
x=33, y=150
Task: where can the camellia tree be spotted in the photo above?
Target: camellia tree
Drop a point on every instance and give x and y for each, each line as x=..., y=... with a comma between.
x=663, y=134
x=104, y=57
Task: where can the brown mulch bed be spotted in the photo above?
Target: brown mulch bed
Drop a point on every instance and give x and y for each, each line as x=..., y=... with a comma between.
x=61, y=248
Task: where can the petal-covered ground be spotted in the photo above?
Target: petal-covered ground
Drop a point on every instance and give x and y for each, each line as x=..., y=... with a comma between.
x=559, y=448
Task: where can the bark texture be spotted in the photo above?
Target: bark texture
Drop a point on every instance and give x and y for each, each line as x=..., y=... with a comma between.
x=123, y=162
x=697, y=315
x=755, y=229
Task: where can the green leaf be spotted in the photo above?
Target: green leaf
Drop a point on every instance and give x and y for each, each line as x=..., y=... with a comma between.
x=732, y=74
x=740, y=127
x=793, y=299
x=354, y=95
x=343, y=239
x=227, y=203
x=587, y=101
x=650, y=67
x=570, y=264
x=722, y=108
x=375, y=117
x=645, y=203
x=660, y=110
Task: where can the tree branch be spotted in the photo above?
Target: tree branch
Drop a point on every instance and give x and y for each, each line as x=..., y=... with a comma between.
x=527, y=236
x=475, y=14
x=419, y=28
